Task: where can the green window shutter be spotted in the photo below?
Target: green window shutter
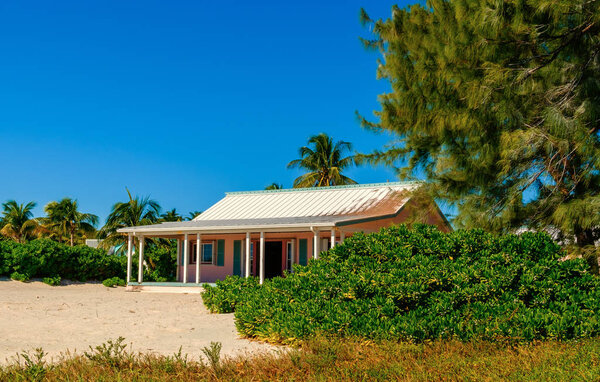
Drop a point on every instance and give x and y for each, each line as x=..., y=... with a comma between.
x=302, y=244
x=220, y=253
x=237, y=257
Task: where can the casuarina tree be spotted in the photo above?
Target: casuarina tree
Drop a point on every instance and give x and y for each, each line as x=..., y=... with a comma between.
x=497, y=104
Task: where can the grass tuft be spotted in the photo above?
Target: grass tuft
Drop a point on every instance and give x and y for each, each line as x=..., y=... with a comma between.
x=323, y=359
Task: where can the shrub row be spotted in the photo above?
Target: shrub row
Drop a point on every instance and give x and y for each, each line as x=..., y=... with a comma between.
x=422, y=284
x=47, y=259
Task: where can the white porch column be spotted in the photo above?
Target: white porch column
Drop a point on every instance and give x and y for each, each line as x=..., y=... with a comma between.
x=247, y=254
x=178, y=259
x=342, y=236
x=141, y=261
x=332, y=238
x=129, y=256
x=316, y=245
x=262, y=257
x=293, y=253
x=186, y=253
x=198, y=254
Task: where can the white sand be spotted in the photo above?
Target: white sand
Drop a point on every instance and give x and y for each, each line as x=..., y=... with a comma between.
x=74, y=316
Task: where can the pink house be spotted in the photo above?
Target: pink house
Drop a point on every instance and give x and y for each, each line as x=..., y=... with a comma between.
x=262, y=233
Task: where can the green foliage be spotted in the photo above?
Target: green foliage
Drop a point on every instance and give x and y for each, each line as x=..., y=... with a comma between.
x=17, y=221
x=496, y=103
x=422, y=284
x=64, y=222
x=324, y=162
x=44, y=258
x=113, y=282
x=52, y=281
x=19, y=276
x=34, y=365
x=162, y=262
x=228, y=293
x=136, y=211
x=112, y=353
x=213, y=355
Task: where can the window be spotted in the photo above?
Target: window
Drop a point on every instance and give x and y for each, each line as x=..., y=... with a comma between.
x=290, y=259
x=206, y=253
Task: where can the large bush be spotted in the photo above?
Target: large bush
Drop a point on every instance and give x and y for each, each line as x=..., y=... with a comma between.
x=228, y=293
x=44, y=258
x=424, y=284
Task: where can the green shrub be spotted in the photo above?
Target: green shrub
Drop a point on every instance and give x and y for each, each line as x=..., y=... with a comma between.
x=113, y=282
x=423, y=284
x=52, y=281
x=46, y=258
x=19, y=276
x=162, y=263
x=228, y=293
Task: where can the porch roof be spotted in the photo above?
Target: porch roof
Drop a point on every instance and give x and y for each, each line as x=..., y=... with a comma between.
x=292, y=209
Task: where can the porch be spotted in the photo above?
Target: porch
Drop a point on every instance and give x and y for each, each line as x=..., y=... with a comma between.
x=205, y=257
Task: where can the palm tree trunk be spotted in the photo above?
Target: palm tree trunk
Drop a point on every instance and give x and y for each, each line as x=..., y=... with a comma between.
x=72, y=234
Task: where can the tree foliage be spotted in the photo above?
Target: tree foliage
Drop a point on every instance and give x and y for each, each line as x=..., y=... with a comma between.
x=64, y=220
x=497, y=103
x=136, y=211
x=171, y=216
x=324, y=162
x=18, y=222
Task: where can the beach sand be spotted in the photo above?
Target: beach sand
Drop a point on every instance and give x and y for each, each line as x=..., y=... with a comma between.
x=72, y=317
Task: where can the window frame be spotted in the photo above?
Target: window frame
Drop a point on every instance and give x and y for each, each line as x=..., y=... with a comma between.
x=192, y=258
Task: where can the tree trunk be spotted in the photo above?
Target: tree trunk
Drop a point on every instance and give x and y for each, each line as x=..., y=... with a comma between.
x=72, y=234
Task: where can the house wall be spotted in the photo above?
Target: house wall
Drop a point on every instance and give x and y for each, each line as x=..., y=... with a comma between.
x=428, y=214
x=210, y=273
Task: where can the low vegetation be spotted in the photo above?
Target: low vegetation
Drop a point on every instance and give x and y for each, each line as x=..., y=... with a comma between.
x=325, y=360
x=51, y=261
x=422, y=284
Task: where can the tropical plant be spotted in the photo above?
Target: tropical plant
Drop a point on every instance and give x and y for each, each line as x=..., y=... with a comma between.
x=496, y=103
x=274, y=186
x=192, y=215
x=18, y=222
x=136, y=211
x=324, y=162
x=171, y=216
x=422, y=284
x=63, y=219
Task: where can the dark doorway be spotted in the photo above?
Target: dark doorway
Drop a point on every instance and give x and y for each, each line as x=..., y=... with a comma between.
x=273, y=251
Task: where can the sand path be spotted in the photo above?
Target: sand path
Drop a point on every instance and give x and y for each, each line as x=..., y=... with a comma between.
x=71, y=317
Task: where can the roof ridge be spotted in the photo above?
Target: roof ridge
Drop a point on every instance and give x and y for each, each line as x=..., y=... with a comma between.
x=348, y=186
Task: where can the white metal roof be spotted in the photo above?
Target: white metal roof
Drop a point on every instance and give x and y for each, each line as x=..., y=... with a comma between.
x=290, y=208
x=357, y=200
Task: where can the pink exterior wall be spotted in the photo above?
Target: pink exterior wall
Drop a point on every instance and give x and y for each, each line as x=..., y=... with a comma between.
x=210, y=273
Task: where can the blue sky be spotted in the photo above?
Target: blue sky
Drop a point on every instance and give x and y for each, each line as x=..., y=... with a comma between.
x=179, y=100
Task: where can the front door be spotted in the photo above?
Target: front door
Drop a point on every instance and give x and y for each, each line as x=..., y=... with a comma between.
x=273, y=251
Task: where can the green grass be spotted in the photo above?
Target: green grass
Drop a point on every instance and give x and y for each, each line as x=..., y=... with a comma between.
x=325, y=360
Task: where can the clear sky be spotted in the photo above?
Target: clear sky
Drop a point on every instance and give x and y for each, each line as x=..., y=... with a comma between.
x=179, y=100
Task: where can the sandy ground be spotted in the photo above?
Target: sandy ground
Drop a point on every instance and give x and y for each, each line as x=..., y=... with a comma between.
x=71, y=317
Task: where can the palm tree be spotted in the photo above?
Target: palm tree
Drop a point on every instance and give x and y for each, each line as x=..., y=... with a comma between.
x=324, y=162
x=136, y=211
x=192, y=215
x=64, y=219
x=17, y=221
x=274, y=186
x=171, y=216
